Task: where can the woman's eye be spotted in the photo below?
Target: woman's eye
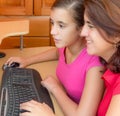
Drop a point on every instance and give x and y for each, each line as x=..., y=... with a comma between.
x=90, y=26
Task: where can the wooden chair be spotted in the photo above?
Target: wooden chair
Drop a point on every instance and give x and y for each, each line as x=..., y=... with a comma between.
x=13, y=27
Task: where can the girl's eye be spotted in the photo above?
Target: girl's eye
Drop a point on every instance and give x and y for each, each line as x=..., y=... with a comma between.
x=61, y=26
x=52, y=23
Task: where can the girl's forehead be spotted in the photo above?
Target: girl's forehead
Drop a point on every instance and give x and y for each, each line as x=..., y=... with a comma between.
x=61, y=14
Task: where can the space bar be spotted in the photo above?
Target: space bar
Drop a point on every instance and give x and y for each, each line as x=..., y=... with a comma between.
x=3, y=101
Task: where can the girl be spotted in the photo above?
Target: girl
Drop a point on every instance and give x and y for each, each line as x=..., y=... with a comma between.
x=78, y=73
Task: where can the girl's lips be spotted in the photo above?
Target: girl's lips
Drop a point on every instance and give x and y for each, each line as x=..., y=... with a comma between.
x=56, y=40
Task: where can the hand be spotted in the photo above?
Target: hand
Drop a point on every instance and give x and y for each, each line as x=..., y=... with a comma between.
x=22, y=61
x=36, y=109
x=51, y=84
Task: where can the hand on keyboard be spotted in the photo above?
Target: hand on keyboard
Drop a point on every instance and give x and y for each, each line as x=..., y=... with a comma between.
x=36, y=109
x=20, y=85
x=12, y=65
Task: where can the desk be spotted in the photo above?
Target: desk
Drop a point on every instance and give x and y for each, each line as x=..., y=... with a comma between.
x=45, y=68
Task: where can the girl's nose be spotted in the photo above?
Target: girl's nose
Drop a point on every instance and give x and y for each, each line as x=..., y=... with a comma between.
x=53, y=30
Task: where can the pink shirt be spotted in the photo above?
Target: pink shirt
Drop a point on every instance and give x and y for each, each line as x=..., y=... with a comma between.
x=112, y=83
x=72, y=75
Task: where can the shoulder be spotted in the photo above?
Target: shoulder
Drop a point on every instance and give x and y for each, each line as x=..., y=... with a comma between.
x=117, y=85
x=113, y=79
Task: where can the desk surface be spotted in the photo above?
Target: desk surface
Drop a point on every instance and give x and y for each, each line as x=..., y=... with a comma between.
x=45, y=68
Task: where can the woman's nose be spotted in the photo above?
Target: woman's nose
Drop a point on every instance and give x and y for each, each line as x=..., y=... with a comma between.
x=84, y=31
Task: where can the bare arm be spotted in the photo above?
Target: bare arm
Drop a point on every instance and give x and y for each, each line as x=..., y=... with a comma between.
x=51, y=54
x=92, y=94
x=90, y=99
x=114, y=108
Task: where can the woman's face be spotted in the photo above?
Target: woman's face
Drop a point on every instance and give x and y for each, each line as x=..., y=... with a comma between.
x=64, y=30
x=96, y=45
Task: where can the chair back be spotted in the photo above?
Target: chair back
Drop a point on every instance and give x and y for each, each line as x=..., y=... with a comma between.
x=13, y=27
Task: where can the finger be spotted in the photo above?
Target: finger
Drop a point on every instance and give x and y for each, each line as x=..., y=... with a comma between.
x=31, y=103
x=25, y=104
x=9, y=60
x=25, y=114
x=26, y=107
x=43, y=83
x=34, y=102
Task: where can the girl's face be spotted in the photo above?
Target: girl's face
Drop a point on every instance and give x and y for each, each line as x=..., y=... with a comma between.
x=96, y=45
x=64, y=30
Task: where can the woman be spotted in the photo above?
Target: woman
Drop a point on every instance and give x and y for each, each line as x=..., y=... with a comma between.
x=102, y=33
x=78, y=72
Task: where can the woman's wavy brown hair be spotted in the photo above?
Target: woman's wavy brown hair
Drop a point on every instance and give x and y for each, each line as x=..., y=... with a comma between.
x=105, y=15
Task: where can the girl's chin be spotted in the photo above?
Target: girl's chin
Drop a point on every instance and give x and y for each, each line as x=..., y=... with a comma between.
x=59, y=46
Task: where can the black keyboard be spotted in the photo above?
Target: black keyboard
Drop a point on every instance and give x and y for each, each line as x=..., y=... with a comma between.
x=21, y=85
